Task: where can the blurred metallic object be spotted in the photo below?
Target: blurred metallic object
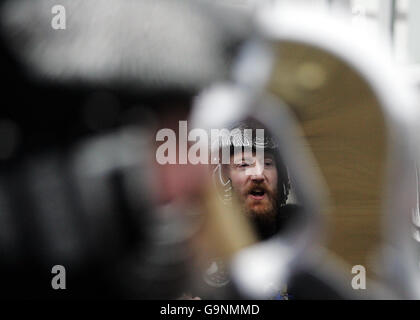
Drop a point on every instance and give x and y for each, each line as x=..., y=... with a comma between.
x=78, y=184
x=372, y=90
x=130, y=44
x=359, y=118
x=363, y=88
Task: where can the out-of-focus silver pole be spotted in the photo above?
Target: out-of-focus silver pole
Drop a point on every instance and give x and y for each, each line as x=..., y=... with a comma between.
x=316, y=4
x=386, y=17
x=340, y=5
x=413, y=20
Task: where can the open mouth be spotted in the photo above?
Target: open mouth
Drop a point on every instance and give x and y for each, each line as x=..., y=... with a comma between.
x=257, y=194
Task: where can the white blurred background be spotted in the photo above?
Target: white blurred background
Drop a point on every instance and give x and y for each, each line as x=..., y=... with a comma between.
x=396, y=21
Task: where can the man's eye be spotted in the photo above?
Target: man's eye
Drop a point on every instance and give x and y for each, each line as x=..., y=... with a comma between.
x=268, y=163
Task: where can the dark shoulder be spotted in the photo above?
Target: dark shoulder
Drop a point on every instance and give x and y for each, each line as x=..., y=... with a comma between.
x=286, y=214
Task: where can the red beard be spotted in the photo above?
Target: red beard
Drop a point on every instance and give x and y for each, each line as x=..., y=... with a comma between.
x=260, y=205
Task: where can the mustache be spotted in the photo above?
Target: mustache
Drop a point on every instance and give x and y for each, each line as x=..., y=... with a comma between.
x=259, y=187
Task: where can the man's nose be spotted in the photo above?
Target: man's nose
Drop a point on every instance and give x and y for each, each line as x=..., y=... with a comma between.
x=258, y=172
x=257, y=178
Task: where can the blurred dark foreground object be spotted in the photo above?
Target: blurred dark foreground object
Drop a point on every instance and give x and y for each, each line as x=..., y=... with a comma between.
x=78, y=107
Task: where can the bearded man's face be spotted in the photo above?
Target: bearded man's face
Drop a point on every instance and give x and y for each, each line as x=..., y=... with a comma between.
x=256, y=191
